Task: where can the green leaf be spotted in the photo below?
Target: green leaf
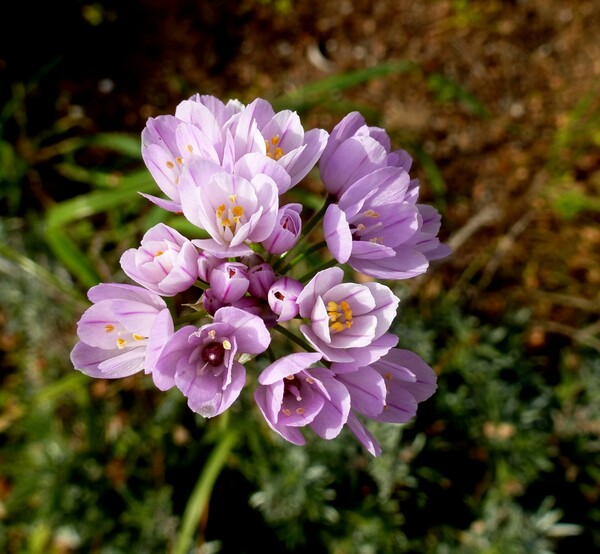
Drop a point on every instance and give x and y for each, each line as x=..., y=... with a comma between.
x=318, y=91
x=447, y=90
x=101, y=201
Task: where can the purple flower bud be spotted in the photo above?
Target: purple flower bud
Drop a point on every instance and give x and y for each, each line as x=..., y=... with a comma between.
x=165, y=263
x=229, y=281
x=282, y=298
x=258, y=307
x=210, y=302
x=261, y=278
x=290, y=395
x=286, y=231
x=206, y=263
x=121, y=332
x=252, y=260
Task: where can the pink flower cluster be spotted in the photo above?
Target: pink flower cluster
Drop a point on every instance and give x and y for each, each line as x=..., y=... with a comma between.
x=226, y=168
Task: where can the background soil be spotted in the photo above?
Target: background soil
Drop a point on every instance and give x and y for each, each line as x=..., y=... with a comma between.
x=519, y=70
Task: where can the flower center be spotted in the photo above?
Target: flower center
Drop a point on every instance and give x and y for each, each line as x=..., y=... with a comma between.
x=340, y=316
x=273, y=151
x=213, y=353
x=229, y=217
x=292, y=392
x=121, y=342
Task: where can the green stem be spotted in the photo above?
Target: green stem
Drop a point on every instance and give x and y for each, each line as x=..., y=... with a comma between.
x=302, y=255
x=313, y=272
x=295, y=338
x=198, y=501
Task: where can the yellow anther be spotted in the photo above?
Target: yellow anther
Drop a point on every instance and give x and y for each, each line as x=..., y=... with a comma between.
x=348, y=323
x=376, y=240
x=333, y=316
x=345, y=306
x=225, y=222
x=310, y=380
x=278, y=153
x=286, y=411
x=170, y=165
x=238, y=211
x=179, y=160
x=299, y=411
x=332, y=306
x=360, y=227
x=158, y=253
x=226, y=345
x=189, y=148
x=233, y=198
x=212, y=334
x=109, y=328
x=121, y=343
x=220, y=210
x=387, y=376
x=336, y=327
x=138, y=337
x=371, y=213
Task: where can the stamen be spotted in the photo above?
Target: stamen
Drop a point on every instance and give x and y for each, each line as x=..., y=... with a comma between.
x=109, y=328
x=212, y=334
x=387, y=376
x=336, y=327
x=278, y=153
x=189, y=148
x=334, y=313
x=225, y=222
x=121, y=343
x=286, y=412
x=310, y=380
x=169, y=164
x=238, y=211
x=179, y=160
x=299, y=411
x=371, y=213
x=233, y=198
x=290, y=377
x=226, y=345
x=158, y=253
x=138, y=337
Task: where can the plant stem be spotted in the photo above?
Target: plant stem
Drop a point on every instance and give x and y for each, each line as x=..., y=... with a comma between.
x=295, y=338
x=313, y=272
x=198, y=501
x=302, y=255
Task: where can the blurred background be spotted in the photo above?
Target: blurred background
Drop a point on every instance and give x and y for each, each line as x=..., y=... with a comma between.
x=498, y=103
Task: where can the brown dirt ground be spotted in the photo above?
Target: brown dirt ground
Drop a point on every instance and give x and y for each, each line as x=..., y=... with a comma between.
x=529, y=62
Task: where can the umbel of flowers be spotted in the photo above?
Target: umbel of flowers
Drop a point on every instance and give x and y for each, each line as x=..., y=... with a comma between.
x=227, y=168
